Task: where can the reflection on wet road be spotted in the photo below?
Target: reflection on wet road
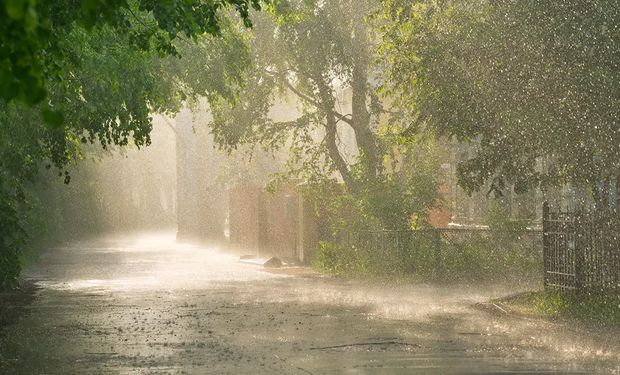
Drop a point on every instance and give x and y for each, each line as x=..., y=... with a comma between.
x=144, y=304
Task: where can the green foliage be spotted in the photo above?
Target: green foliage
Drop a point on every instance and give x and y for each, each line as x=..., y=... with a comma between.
x=32, y=34
x=108, y=100
x=20, y=155
x=398, y=200
x=599, y=309
x=12, y=240
x=341, y=260
x=432, y=255
x=308, y=53
x=534, y=84
x=211, y=68
x=502, y=256
x=318, y=55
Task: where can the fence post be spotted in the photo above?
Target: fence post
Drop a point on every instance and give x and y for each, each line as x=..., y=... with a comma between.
x=578, y=231
x=545, y=230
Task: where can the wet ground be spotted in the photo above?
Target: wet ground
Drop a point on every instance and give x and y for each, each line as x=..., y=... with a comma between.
x=144, y=305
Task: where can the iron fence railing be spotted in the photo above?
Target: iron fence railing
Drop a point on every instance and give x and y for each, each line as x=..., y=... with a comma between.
x=581, y=250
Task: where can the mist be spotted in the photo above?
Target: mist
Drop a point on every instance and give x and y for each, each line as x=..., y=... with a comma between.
x=309, y=187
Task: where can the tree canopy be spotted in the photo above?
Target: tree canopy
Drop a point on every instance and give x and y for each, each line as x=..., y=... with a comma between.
x=319, y=55
x=32, y=34
x=534, y=84
x=308, y=52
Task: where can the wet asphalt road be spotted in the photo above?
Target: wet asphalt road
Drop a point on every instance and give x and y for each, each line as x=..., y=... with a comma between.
x=145, y=305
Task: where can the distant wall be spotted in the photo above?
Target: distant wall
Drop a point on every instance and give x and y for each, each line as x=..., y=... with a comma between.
x=243, y=217
x=271, y=224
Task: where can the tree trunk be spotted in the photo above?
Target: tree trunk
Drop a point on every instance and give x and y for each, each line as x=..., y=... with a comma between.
x=331, y=130
x=366, y=139
x=364, y=136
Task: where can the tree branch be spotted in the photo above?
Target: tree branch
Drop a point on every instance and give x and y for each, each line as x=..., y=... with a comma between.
x=309, y=99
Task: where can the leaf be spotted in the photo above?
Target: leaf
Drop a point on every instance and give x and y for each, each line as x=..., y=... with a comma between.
x=15, y=9
x=53, y=118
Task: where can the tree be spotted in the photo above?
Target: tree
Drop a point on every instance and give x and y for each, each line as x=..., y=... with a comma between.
x=535, y=84
x=99, y=67
x=319, y=55
x=310, y=51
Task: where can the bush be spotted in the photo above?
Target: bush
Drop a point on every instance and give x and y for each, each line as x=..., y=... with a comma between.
x=432, y=255
x=336, y=260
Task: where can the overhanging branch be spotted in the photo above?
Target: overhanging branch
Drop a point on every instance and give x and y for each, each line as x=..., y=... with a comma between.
x=307, y=98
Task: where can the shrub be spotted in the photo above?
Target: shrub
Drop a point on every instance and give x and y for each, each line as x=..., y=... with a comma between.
x=432, y=255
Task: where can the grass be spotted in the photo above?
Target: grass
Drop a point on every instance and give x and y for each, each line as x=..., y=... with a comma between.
x=472, y=262
x=597, y=309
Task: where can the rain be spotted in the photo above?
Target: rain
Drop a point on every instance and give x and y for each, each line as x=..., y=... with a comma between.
x=309, y=187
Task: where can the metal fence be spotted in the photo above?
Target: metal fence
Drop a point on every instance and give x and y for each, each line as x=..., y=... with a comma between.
x=581, y=251
x=453, y=252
